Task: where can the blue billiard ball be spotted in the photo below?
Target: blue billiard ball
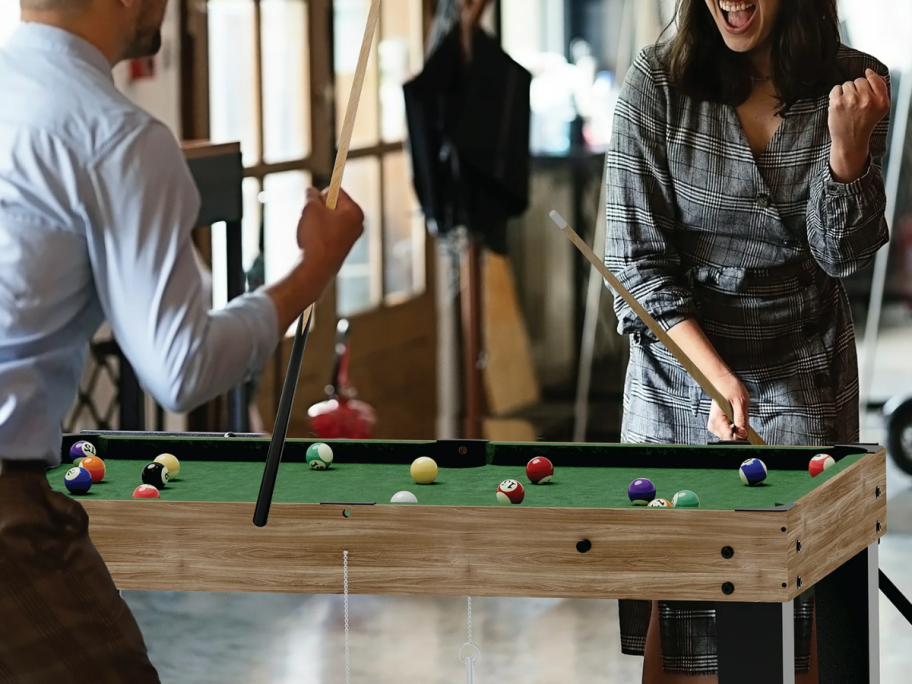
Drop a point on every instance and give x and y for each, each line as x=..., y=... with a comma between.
x=753, y=472
x=81, y=449
x=641, y=491
x=78, y=480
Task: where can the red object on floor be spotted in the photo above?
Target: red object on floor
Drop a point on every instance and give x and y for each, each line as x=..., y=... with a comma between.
x=342, y=416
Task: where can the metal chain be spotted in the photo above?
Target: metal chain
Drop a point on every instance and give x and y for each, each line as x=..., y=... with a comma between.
x=470, y=619
x=345, y=589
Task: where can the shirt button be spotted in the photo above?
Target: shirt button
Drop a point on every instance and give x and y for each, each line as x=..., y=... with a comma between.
x=822, y=380
x=809, y=330
x=763, y=200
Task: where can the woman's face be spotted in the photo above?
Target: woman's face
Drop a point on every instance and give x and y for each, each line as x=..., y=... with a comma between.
x=745, y=24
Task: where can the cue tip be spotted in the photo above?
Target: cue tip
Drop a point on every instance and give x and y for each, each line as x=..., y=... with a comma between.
x=559, y=220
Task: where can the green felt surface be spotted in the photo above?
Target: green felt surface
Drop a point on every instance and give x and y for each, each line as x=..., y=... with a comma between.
x=588, y=487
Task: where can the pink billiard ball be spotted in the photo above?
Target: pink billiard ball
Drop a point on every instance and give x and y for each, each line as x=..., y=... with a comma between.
x=539, y=470
x=819, y=463
x=510, y=492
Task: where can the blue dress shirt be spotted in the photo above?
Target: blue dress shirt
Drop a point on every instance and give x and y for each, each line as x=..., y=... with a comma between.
x=96, y=211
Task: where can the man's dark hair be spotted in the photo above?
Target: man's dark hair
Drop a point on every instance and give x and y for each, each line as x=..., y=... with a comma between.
x=805, y=41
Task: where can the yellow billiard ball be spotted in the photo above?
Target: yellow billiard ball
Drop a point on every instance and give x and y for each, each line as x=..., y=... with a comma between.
x=424, y=470
x=171, y=463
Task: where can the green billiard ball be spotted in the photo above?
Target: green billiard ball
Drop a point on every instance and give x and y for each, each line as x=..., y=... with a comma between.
x=686, y=499
x=319, y=456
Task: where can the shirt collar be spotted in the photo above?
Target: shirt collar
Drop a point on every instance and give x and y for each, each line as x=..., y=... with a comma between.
x=32, y=35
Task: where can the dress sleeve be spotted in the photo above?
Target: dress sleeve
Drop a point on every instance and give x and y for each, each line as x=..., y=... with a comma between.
x=846, y=222
x=641, y=206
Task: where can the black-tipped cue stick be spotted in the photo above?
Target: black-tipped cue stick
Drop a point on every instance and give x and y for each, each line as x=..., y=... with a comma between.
x=653, y=325
x=283, y=415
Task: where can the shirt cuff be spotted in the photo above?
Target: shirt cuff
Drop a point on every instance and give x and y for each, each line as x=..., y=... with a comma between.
x=261, y=319
x=854, y=189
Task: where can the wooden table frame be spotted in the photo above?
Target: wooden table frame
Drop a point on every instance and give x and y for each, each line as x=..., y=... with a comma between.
x=751, y=563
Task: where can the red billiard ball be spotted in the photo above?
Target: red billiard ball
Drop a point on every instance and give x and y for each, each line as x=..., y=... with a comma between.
x=819, y=463
x=95, y=466
x=510, y=492
x=146, y=492
x=539, y=470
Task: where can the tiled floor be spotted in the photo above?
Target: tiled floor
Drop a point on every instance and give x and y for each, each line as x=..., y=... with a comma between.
x=272, y=639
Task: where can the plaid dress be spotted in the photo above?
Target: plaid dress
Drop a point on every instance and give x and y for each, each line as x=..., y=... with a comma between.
x=750, y=247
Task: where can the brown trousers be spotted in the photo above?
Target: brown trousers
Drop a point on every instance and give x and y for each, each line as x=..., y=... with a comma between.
x=62, y=620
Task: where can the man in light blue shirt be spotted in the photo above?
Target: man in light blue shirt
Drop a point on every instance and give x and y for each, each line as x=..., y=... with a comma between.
x=96, y=211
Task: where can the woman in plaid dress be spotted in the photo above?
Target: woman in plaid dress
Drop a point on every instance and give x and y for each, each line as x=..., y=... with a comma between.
x=744, y=179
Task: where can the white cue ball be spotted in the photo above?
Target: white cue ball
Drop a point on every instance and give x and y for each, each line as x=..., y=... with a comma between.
x=404, y=497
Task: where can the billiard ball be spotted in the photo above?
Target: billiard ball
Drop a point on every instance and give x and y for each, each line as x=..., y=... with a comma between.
x=146, y=492
x=81, y=449
x=95, y=466
x=539, y=470
x=753, y=472
x=155, y=474
x=685, y=499
x=78, y=480
x=171, y=463
x=404, y=497
x=319, y=456
x=510, y=492
x=660, y=503
x=819, y=463
x=424, y=470
x=641, y=491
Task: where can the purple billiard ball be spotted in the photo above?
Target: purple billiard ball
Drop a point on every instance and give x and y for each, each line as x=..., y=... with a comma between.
x=641, y=491
x=81, y=449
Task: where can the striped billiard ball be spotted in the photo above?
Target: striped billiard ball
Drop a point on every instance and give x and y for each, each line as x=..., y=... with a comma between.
x=81, y=449
x=319, y=456
x=819, y=463
x=539, y=470
x=753, y=472
x=510, y=492
x=78, y=480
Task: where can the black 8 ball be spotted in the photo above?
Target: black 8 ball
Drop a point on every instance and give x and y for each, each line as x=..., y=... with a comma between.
x=155, y=474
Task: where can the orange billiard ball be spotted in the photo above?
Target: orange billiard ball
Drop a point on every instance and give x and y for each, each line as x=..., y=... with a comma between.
x=95, y=466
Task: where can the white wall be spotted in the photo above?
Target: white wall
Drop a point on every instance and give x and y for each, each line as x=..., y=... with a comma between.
x=159, y=95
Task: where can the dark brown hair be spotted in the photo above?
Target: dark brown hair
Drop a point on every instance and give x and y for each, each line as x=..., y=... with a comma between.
x=804, y=41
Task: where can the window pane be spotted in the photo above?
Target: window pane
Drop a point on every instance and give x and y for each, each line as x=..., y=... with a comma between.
x=252, y=223
x=358, y=286
x=283, y=200
x=286, y=88
x=403, y=230
x=400, y=58
x=350, y=18
x=232, y=76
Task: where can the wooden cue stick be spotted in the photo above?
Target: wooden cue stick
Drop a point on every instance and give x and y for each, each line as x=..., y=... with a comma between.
x=283, y=415
x=351, y=112
x=652, y=324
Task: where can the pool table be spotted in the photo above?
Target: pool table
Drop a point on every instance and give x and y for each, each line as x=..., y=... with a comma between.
x=751, y=550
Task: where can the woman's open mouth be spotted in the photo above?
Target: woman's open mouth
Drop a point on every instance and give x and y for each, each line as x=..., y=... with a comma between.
x=738, y=15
